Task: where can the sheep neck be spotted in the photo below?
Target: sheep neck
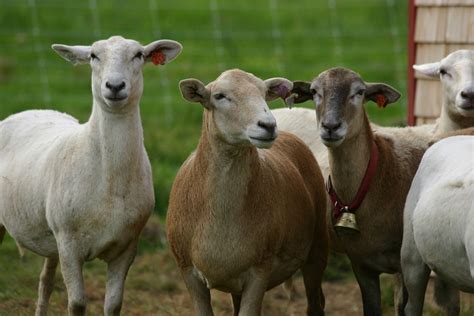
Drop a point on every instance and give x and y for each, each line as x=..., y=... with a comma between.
x=450, y=121
x=229, y=168
x=116, y=140
x=348, y=162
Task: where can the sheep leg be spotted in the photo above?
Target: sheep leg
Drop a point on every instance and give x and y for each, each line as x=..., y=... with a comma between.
x=71, y=269
x=313, y=270
x=252, y=295
x=236, y=299
x=416, y=278
x=369, y=285
x=469, y=242
x=46, y=285
x=117, y=270
x=400, y=295
x=290, y=289
x=199, y=293
x=415, y=273
x=21, y=250
x=447, y=297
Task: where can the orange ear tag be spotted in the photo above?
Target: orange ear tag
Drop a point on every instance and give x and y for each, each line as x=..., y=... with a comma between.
x=158, y=58
x=381, y=100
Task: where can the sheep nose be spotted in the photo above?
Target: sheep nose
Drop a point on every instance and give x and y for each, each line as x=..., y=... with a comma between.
x=331, y=125
x=115, y=87
x=468, y=94
x=268, y=126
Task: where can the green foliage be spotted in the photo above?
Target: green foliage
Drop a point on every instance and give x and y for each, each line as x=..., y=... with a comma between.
x=338, y=267
x=296, y=41
x=386, y=291
x=18, y=277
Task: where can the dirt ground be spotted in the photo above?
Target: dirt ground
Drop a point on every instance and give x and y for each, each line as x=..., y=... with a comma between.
x=154, y=287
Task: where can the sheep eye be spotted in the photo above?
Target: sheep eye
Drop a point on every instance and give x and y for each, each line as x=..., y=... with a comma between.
x=443, y=72
x=219, y=96
x=360, y=92
x=138, y=55
x=312, y=91
x=94, y=56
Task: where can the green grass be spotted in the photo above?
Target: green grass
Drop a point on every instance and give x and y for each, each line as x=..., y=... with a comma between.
x=33, y=76
x=154, y=286
x=297, y=41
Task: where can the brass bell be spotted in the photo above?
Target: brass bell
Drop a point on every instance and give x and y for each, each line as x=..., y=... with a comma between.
x=347, y=223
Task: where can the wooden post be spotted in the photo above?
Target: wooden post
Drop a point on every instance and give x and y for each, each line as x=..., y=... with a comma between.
x=411, y=62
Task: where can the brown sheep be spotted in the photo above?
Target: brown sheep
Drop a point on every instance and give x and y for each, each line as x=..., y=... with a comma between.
x=339, y=95
x=244, y=217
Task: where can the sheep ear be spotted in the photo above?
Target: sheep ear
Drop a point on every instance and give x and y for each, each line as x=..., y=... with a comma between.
x=194, y=90
x=381, y=93
x=300, y=93
x=162, y=52
x=74, y=54
x=430, y=69
x=278, y=88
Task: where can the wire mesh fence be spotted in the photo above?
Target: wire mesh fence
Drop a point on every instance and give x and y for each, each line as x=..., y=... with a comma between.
x=296, y=40
x=269, y=38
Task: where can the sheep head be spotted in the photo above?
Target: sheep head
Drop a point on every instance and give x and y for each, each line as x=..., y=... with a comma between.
x=456, y=72
x=236, y=102
x=117, y=80
x=339, y=95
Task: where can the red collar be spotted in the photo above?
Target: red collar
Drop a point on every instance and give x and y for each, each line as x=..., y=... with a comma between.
x=339, y=207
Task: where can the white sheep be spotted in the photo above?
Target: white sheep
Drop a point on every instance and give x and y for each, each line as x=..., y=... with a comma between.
x=456, y=72
x=242, y=218
x=74, y=192
x=438, y=225
x=458, y=85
